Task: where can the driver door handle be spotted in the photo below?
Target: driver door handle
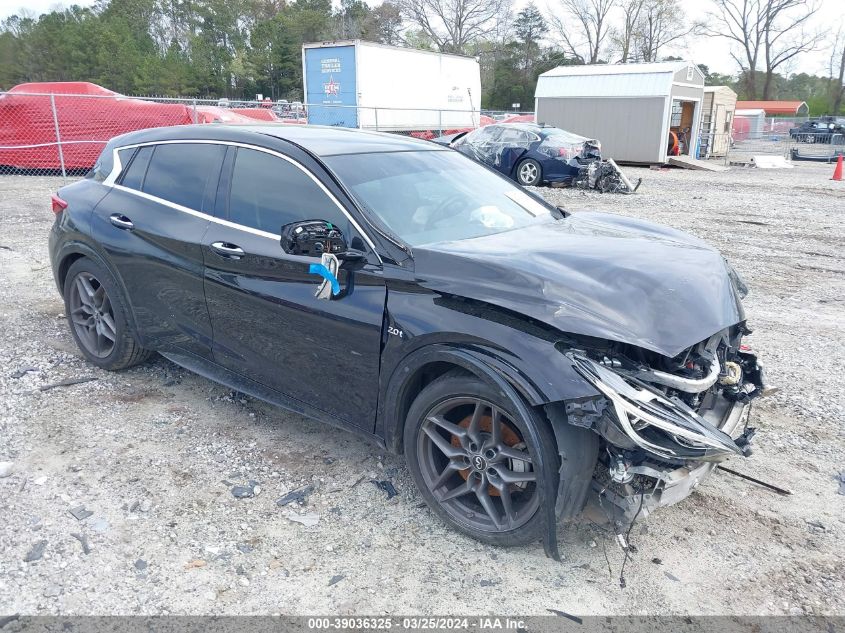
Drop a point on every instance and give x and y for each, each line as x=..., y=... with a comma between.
x=227, y=250
x=121, y=221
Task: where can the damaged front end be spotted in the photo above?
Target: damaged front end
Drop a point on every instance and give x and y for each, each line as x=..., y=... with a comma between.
x=665, y=423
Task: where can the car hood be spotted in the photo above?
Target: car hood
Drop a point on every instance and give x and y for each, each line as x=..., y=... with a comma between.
x=595, y=274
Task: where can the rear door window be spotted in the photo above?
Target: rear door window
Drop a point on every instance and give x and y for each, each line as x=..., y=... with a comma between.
x=268, y=192
x=184, y=173
x=515, y=136
x=483, y=135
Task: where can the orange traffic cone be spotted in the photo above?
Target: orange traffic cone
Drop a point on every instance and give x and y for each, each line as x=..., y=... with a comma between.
x=837, y=172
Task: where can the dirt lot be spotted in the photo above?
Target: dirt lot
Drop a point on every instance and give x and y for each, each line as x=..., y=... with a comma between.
x=153, y=453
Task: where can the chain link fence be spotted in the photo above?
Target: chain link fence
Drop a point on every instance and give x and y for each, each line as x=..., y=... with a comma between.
x=825, y=147
x=794, y=138
x=42, y=133
x=715, y=146
x=63, y=134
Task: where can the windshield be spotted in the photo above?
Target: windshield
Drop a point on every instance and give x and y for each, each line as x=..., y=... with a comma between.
x=435, y=196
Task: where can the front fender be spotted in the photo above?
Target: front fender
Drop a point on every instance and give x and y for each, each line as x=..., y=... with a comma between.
x=425, y=327
x=391, y=424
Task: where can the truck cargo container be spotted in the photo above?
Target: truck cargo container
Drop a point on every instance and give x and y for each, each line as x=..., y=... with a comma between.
x=353, y=83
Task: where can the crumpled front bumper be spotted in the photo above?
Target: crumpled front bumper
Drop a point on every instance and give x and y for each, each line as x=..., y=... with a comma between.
x=668, y=484
x=685, y=451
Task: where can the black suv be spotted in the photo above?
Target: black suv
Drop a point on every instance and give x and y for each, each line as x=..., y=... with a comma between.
x=826, y=129
x=517, y=355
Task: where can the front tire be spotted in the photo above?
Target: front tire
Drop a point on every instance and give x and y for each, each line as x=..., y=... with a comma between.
x=469, y=456
x=97, y=317
x=529, y=173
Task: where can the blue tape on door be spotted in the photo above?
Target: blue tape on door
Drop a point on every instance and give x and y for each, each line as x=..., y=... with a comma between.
x=325, y=273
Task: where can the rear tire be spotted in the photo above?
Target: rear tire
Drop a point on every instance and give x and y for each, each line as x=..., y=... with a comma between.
x=529, y=173
x=474, y=465
x=97, y=316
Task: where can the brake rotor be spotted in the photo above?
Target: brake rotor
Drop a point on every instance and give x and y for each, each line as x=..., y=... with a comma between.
x=485, y=425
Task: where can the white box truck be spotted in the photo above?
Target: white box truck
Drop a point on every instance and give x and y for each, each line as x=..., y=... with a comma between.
x=353, y=83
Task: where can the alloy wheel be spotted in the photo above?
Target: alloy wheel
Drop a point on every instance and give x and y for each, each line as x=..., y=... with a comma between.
x=528, y=173
x=477, y=466
x=92, y=315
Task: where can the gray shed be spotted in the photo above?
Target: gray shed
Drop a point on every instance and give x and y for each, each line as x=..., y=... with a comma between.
x=639, y=112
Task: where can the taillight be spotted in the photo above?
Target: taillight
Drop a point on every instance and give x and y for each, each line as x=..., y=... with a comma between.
x=59, y=205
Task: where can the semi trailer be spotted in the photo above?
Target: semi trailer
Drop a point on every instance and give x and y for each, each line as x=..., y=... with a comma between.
x=353, y=83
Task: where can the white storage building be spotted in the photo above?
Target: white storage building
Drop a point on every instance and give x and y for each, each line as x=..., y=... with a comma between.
x=631, y=108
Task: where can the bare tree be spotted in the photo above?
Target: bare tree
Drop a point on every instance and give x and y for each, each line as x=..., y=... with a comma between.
x=585, y=42
x=387, y=23
x=837, y=69
x=661, y=23
x=454, y=24
x=501, y=32
x=786, y=35
x=741, y=22
x=623, y=38
x=768, y=31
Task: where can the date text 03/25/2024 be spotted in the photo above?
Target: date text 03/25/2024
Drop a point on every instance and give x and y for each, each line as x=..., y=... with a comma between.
x=415, y=623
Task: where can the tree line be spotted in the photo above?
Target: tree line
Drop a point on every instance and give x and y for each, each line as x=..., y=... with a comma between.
x=239, y=48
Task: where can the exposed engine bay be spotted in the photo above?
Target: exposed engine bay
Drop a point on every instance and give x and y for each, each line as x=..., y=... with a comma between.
x=604, y=176
x=665, y=422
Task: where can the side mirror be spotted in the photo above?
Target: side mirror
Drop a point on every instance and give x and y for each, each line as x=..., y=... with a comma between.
x=312, y=238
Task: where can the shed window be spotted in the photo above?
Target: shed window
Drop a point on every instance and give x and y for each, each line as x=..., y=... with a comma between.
x=677, y=111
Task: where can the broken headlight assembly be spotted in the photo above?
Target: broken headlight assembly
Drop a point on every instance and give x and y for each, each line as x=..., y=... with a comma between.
x=639, y=416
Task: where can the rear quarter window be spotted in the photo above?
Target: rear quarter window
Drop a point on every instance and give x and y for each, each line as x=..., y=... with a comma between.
x=134, y=172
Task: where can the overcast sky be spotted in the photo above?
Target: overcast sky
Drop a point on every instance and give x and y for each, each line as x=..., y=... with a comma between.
x=714, y=52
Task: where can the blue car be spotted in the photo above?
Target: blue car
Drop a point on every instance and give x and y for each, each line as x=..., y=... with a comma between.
x=530, y=154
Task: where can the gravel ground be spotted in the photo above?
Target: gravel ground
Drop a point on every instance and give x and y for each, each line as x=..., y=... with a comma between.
x=151, y=455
